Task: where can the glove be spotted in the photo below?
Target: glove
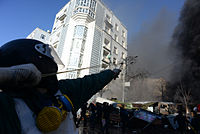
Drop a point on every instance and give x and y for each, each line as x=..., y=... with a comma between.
x=116, y=73
x=25, y=75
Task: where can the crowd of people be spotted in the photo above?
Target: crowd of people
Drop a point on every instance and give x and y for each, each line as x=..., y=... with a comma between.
x=103, y=116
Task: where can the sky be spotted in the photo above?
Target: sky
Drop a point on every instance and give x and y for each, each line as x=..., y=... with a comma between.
x=20, y=17
x=134, y=13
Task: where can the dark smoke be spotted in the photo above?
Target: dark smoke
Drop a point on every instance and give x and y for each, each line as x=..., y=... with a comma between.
x=186, y=39
x=151, y=46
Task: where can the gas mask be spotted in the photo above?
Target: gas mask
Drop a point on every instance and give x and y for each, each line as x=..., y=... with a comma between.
x=50, y=117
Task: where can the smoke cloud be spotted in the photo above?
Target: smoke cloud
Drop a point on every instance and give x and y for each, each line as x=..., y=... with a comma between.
x=151, y=45
x=186, y=39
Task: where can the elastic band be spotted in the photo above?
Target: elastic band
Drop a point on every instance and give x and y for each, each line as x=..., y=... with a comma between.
x=69, y=100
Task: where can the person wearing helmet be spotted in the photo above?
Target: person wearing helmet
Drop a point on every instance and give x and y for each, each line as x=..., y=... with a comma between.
x=31, y=103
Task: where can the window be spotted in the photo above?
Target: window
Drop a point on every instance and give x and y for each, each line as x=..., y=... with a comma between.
x=123, y=34
x=93, y=4
x=87, y=3
x=108, y=18
x=80, y=31
x=62, y=17
x=116, y=27
x=77, y=44
x=55, y=44
x=72, y=45
x=106, y=42
x=71, y=75
x=123, y=55
x=86, y=11
x=74, y=59
x=83, y=46
x=115, y=50
x=80, y=60
x=114, y=61
x=116, y=37
x=78, y=73
x=106, y=56
x=105, y=53
x=107, y=29
x=123, y=44
x=42, y=36
x=104, y=65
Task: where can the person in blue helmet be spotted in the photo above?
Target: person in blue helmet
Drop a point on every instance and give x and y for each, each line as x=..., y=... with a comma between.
x=33, y=104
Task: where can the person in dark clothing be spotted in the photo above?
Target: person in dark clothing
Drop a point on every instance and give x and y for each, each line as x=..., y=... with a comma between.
x=124, y=117
x=182, y=122
x=33, y=100
x=99, y=114
x=165, y=122
x=106, y=117
x=83, y=115
x=92, y=109
x=195, y=123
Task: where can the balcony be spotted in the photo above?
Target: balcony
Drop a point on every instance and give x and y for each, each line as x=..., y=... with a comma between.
x=84, y=13
x=106, y=60
x=108, y=23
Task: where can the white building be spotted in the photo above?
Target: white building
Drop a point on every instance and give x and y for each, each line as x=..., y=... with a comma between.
x=40, y=35
x=87, y=34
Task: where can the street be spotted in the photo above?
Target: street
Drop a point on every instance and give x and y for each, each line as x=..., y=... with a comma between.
x=118, y=130
x=97, y=130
